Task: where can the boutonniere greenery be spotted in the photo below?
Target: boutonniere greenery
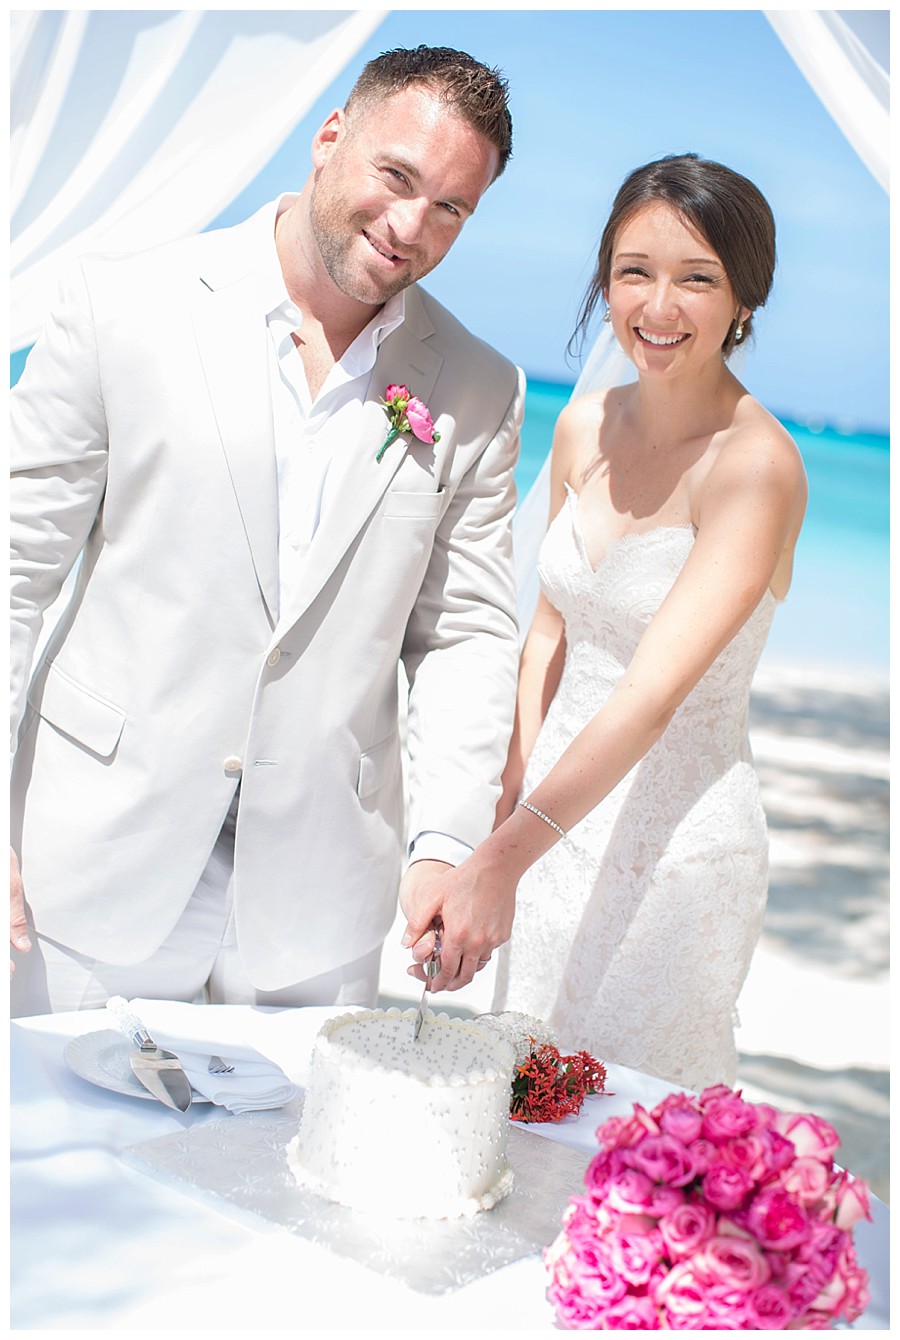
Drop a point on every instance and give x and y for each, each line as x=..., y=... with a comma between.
x=406, y=414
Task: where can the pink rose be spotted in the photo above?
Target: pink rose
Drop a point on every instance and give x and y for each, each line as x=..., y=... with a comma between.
x=420, y=420
x=575, y=1310
x=684, y=1298
x=663, y=1159
x=847, y=1293
x=580, y=1224
x=705, y=1154
x=686, y=1228
x=630, y=1191
x=582, y=1284
x=623, y=1132
x=732, y=1263
x=807, y=1179
x=665, y=1199
x=728, y=1116
x=394, y=392
x=810, y=1135
x=769, y=1308
x=715, y=1091
x=726, y=1187
x=775, y=1220
x=680, y=1118
x=780, y=1152
x=726, y=1309
x=852, y=1200
x=632, y=1313
x=800, y=1284
x=633, y=1257
x=600, y=1172
x=747, y=1152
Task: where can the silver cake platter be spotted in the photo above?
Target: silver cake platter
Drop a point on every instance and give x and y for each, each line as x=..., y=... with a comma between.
x=242, y=1161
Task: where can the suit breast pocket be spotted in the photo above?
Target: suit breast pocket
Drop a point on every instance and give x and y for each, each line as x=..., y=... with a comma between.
x=68, y=706
x=414, y=506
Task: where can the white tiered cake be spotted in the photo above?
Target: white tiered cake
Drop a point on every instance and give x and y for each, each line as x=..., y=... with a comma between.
x=406, y=1128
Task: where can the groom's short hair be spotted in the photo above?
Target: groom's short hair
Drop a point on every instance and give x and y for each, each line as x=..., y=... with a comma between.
x=471, y=90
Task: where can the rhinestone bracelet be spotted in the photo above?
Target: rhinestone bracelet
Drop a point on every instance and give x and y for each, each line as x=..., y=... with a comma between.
x=526, y=805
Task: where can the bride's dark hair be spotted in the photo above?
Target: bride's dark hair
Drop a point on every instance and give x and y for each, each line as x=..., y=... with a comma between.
x=722, y=206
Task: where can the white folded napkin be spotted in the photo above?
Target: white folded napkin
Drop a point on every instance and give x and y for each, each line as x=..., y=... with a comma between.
x=196, y=1034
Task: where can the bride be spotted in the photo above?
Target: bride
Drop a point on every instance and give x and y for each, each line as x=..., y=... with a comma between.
x=630, y=840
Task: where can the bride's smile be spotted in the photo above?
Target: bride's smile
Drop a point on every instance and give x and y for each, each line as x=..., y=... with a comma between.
x=670, y=300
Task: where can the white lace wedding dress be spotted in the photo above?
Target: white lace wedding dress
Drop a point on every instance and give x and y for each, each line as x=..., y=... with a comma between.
x=633, y=938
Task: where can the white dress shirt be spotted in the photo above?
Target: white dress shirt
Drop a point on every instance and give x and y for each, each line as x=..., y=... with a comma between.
x=311, y=437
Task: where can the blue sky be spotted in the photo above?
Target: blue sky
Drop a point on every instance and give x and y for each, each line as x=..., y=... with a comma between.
x=596, y=92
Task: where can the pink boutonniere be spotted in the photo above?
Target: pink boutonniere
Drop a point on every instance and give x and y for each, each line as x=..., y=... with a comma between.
x=406, y=414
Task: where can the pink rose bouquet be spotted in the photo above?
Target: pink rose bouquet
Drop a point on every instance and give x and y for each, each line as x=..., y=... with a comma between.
x=710, y=1213
x=406, y=414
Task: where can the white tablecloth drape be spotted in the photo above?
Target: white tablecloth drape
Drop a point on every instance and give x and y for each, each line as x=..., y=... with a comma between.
x=98, y=1244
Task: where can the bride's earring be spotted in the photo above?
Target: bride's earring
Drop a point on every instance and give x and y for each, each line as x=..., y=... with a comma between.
x=607, y=315
x=739, y=332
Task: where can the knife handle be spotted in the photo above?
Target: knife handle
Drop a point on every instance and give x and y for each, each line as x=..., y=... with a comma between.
x=128, y=1022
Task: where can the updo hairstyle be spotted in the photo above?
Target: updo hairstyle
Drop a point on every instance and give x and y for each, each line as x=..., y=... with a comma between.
x=722, y=206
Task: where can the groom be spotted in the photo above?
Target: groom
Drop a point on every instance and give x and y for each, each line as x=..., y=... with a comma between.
x=207, y=788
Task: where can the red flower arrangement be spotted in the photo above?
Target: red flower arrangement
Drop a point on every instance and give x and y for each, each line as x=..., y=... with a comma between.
x=710, y=1213
x=548, y=1087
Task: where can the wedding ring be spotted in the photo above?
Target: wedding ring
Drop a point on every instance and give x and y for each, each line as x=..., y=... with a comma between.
x=484, y=960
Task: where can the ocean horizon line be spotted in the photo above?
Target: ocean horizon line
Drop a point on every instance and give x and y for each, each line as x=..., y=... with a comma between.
x=810, y=423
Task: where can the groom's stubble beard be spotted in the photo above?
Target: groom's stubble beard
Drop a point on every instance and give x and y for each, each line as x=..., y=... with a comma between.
x=337, y=230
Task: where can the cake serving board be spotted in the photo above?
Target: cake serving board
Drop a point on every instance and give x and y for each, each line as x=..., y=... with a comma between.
x=242, y=1161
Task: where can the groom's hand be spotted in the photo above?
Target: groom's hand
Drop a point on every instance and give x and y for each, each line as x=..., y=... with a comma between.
x=420, y=900
x=18, y=926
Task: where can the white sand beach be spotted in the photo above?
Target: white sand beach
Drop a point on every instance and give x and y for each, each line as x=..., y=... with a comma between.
x=814, y=1031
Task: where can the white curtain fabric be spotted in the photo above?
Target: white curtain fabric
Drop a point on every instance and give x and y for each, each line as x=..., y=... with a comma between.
x=846, y=61
x=131, y=128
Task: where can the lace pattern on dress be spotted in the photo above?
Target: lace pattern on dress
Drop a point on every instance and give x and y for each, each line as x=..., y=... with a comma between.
x=633, y=938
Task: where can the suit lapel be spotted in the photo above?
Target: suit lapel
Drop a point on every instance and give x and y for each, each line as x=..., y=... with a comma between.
x=363, y=480
x=232, y=339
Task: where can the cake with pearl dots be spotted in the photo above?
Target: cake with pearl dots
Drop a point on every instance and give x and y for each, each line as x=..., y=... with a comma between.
x=404, y=1127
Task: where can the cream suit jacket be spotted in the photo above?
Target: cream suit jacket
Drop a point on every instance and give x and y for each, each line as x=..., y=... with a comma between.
x=142, y=439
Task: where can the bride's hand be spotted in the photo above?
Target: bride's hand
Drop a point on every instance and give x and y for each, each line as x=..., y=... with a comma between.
x=476, y=903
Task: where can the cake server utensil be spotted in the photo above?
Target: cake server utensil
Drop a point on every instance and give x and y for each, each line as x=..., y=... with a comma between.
x=432, y=967
x=160, y=1072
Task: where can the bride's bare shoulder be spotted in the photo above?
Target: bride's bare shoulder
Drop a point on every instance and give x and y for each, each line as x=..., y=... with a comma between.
x=587, y=412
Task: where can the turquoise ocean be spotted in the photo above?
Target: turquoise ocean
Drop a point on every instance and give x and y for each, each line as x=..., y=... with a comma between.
x=836, y=613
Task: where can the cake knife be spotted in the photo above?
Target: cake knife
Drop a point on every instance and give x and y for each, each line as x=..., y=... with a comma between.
x=160, y=1072
x=432, y=967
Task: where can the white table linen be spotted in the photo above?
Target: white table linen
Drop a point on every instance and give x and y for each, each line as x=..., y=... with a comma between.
x=98, y=1244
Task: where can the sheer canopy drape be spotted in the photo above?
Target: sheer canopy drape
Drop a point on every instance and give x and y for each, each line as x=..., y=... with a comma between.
x=844, y=56
x=131, y=128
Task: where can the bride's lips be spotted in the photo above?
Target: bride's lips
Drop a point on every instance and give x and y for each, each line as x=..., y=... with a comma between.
x=661, y=339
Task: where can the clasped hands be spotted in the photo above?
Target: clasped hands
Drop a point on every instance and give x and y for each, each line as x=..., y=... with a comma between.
x=477, y=914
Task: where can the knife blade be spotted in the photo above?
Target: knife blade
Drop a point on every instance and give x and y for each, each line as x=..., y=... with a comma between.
x=432, y=967
x=160, y=1071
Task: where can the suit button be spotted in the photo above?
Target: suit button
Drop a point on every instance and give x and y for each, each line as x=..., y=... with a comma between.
x=232, y=763
x=273, y=657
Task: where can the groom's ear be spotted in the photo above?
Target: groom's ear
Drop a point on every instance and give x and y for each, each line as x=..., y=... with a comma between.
x=326, y=137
